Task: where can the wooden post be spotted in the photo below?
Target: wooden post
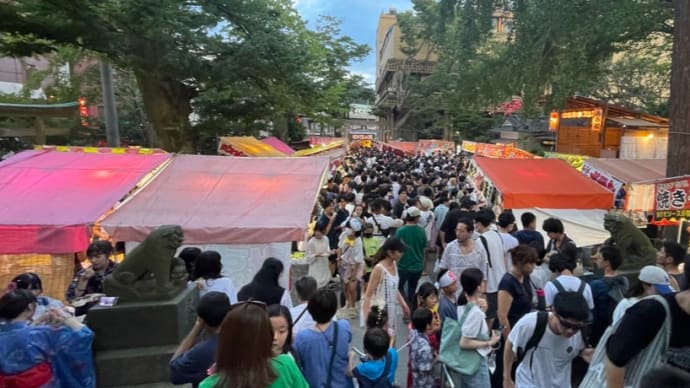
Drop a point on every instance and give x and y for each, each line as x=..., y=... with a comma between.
x=677, y=161
x=40, y=128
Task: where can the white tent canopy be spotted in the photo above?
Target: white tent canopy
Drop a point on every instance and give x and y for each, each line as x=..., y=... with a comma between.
x=585, y=227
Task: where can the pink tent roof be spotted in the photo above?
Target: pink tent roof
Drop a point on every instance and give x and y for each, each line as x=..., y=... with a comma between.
x=51, y=198
x=279, y=145
x=225, y=200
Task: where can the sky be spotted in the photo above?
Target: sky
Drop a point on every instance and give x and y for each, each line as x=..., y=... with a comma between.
x=359, y=20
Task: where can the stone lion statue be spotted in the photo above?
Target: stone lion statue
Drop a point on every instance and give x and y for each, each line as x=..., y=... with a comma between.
x=150, y=271
x=636, y=249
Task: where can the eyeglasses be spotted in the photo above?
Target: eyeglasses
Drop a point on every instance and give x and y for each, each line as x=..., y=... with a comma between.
x=249, y=302
x=571, y=325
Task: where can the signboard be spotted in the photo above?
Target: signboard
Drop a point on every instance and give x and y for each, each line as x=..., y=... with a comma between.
x=362, y=136
x=594, y=116
x=671, y=199
x=502, y=151
x=469, y=146
x=602, y=178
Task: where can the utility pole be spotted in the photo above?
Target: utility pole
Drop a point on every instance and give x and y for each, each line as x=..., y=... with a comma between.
x=111, y=128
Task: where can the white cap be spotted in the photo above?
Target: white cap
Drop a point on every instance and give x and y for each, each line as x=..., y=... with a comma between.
x=411, y=211
x=657, y=277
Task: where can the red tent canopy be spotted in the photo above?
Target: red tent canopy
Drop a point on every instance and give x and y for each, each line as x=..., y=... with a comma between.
x=543, y=183
x=225, y=200
x=50, y=198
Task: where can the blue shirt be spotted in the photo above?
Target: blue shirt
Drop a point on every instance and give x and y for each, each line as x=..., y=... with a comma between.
x=372, y=369
x=313, y=348
x=191, y=366
x=68, y=352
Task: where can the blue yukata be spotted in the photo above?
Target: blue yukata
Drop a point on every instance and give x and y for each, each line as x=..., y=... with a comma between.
x=67, y=351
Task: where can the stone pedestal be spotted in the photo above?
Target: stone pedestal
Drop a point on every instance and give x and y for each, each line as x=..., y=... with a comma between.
x=134, y=341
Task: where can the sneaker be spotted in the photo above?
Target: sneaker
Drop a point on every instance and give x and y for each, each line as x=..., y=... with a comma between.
x=343, y=313
x=354, y=313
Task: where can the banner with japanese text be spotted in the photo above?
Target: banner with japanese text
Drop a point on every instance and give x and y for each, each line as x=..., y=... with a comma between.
x=671, y=198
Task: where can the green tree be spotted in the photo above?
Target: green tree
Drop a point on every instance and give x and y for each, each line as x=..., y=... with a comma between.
x=232, y=63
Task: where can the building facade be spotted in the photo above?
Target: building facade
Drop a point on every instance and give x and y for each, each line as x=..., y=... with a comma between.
x=392, y=68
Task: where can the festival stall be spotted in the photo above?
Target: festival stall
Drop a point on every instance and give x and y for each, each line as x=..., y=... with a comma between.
x=401, y=147
x=489, y=150
x=52, y=198
x=334, y=152
x=429, y=147
x=246, y=146
x=548, y=188
x=247, y=209
x=278, y=145
x=635, y=176
x=672, y=204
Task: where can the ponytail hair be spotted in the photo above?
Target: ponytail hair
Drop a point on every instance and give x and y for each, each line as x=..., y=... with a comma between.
x=470, y=280
x=394, y=244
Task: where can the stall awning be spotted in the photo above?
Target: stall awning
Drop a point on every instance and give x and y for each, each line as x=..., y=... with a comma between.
x=629, y=122
x=631, y=170
x=245, y=146
x=543, y=183
x=585, y=227
x=220, y=200
x=278, y=145
x=319, y=149
x=50, y=198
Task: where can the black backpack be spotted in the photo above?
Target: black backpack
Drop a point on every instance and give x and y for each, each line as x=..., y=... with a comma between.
x=381, y=382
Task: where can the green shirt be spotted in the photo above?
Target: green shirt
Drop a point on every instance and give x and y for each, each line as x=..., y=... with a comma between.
x=414, y=238
x=371, y=246
x=289, y=375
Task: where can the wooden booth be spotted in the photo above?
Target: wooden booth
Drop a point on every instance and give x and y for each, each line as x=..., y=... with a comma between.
x=602, y=130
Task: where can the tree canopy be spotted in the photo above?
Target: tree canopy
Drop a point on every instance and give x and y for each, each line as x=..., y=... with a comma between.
x=235, y=64
x=548, y=51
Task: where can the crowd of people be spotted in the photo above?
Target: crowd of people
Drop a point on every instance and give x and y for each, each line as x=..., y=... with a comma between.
x=400, y=245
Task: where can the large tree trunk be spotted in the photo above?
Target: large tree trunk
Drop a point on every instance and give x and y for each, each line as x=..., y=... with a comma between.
x=167, y=104
x=678, y=162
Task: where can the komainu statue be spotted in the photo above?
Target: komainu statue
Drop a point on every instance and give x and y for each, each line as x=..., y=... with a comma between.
x=150, y=271
x=636, y=249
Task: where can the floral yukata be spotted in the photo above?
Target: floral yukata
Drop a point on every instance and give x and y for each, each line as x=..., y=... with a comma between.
x=67, y=351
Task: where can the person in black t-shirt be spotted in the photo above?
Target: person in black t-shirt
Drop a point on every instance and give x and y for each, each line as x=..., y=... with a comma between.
x=669, y=257
x=640, y=325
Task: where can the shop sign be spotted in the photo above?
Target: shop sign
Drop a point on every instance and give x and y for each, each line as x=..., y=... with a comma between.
x=602, y=178
x=362, y=136
x=469, y=146
x=671, y=199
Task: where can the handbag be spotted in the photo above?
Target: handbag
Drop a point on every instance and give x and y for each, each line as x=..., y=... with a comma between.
x=464, y=361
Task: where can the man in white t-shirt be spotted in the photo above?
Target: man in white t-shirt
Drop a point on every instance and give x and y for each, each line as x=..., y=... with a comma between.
x=563, y=266
x=506, y=225
x=496, y=255
x=547, y=361
x=301, y=319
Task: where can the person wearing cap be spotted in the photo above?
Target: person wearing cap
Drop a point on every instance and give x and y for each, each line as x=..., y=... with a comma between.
x=651, y=280
x=350, y=264
x=426, y=216
x=412, y=262
x=628, y=355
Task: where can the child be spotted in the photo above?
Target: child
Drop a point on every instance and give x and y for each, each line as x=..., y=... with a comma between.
x=422, y=357
x=378, y=318
x=427, y=299
x=281, y=320
x=448, y=283
x=351, y=259
x=382, y=360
